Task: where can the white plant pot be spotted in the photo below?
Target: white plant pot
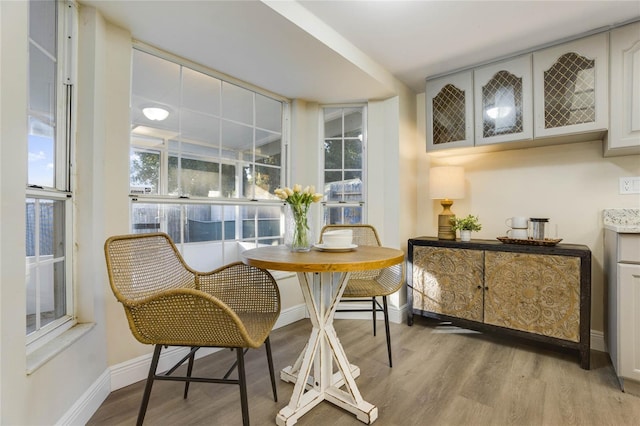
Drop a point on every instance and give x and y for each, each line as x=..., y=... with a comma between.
x=465, y=235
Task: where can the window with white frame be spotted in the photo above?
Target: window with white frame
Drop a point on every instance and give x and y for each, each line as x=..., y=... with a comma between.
x=344, y=143
x=204, y=168
x=49, y=291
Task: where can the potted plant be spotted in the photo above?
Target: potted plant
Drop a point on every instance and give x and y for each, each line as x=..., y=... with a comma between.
x=466, y=225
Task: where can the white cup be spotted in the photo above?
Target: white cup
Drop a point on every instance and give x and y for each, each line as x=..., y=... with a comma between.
x=517, y=222
x=518, y=234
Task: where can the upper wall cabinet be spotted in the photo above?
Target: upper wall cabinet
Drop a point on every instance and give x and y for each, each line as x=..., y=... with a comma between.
x=503, y=101
x=570, y=87
x=449, y=111
x=624, y=101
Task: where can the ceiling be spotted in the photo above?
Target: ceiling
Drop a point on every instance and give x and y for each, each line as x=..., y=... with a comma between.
x=344, y=51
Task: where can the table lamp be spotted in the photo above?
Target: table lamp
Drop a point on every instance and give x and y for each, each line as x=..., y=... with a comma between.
x=446, y=183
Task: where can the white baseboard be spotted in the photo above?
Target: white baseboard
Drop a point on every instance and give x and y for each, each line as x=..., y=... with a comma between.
x=89, y=402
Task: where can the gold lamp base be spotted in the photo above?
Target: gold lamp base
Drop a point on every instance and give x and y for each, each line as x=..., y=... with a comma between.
x=445, y=230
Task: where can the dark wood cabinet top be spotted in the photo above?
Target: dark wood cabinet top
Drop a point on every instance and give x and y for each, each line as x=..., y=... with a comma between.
x=495, y=245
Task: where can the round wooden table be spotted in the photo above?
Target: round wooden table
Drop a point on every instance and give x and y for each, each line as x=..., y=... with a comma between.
x=323, y=276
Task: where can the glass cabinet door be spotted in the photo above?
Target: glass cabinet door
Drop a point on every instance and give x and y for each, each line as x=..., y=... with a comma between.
x=449, y=111
x=571, y=82
x=503, y=101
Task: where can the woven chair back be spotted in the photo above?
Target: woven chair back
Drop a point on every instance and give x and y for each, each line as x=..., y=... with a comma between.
x=141, y=265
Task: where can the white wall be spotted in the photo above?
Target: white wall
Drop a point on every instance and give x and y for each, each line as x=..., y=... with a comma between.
x=570, y=184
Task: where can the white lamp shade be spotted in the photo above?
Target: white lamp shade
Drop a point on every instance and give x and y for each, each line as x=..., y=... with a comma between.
x=446, y=182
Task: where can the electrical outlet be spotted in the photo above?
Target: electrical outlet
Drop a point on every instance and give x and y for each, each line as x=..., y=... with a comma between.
x=630, y=185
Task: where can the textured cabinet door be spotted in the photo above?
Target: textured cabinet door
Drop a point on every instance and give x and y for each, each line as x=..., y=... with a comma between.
x=449, y=110
x=448, y=281
x=624, y=133
x=570, y=84
x=534, y=293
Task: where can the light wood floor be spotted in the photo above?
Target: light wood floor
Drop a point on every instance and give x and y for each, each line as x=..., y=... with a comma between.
x=441, y=376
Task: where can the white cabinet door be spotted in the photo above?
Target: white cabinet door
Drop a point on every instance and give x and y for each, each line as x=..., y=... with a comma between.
x=449, y=111
x=629, y=320
x=503, y=95
x=570, y=84
x=624, y=133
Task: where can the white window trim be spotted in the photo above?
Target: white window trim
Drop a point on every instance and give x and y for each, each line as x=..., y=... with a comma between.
x=65, y=138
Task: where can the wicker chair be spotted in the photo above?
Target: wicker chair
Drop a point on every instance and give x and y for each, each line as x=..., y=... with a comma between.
x=366, y=286
x=169, y=304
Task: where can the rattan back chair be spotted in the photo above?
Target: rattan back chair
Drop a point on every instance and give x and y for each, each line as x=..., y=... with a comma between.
x=169, y=304
x=366, y=286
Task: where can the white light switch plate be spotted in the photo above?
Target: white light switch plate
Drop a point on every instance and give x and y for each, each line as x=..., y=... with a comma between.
x=630, y=185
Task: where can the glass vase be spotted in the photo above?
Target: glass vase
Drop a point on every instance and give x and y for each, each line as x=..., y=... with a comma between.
x=297, y=232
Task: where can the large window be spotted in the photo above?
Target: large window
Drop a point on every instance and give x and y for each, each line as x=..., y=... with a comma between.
x=344, y=164
x=204, y=169
x=49, y=303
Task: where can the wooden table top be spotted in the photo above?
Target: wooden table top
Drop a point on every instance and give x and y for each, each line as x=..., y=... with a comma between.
x=362, y=258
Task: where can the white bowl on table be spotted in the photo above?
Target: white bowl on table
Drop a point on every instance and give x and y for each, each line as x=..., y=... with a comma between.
x=338, y=238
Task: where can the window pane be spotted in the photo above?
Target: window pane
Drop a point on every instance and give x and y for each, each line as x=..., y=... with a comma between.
x=237, y=103
x=197, y=177
x=267, y=180
x=343, y=215
x=333, y=154
x=45, y=244
x=268, y=148
x=262, y=223
x=352, y=154
x=268, y=114
x=330, y=179
x=145, y=218
x=349, y=189
x=199, y=127
x=42, y=25
x=229, y=188
x=332, y=122
x=353, y=122
x=41, y=160
x=200, y=92
x=144, y=172
x=206, y=223
x=237, y=139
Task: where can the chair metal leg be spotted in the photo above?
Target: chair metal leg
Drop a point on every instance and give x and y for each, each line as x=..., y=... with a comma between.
x=373, y=311
x=149, y=385
x=267, y=345
x=243, y=387
x=386, y=328
x=189, y=370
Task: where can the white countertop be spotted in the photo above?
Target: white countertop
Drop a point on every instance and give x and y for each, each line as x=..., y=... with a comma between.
x=623, y=221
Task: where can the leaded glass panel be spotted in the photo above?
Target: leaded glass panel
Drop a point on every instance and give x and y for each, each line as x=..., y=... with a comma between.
x=502, y=105
x=569, y=91
x=449, y=121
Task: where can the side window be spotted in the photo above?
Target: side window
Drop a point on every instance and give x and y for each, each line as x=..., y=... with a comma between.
x=344, y=143
x=49, y=195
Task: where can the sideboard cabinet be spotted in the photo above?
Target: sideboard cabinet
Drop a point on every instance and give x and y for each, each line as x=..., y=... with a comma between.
x=541, y=293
